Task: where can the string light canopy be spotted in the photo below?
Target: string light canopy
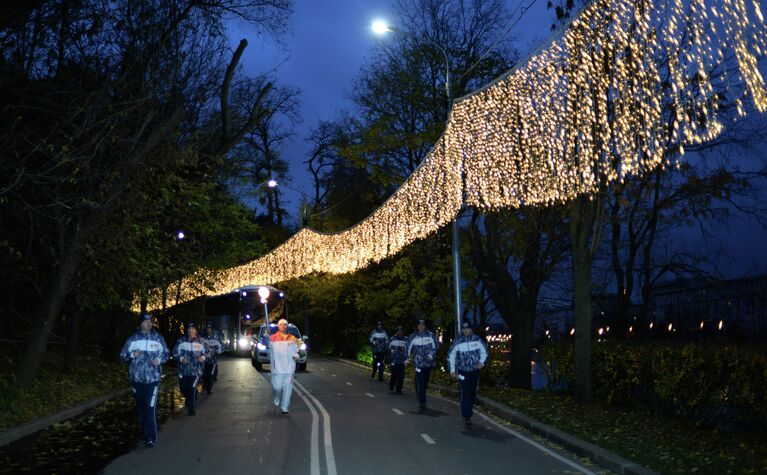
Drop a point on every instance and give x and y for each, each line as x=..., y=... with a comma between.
x=622, y=91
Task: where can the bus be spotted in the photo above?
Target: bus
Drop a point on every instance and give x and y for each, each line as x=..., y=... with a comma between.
x=238, y=314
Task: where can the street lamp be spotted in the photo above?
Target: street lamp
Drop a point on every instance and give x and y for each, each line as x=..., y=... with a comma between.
x=263, y=292
x=380, y=27
x=305, y=218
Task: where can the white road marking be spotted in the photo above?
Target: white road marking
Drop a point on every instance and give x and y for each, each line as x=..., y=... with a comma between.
x=428, y=439
x=535, y=444
x=348, y=383
x=315, y=450
x=369, y=395
x=398, y=412
x=333, y=375
x=330, y=459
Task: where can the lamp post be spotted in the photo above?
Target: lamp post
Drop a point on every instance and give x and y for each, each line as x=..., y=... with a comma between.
x=263, y=292
x=304, y=220
x=380, y=27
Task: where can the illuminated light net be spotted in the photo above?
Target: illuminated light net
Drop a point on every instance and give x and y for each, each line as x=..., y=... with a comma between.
x=627, y=82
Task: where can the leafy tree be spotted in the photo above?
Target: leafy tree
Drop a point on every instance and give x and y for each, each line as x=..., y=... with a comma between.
x=515, y=252
x=94, y=92
x=403, y=101
x=258, y=158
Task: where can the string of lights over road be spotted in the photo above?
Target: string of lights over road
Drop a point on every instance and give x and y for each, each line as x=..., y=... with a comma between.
x=624, y=88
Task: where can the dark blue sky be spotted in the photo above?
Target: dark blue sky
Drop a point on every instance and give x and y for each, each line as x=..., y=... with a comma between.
x=328, y=42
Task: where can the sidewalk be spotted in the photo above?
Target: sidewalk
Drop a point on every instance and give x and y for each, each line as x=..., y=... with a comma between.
x=596, y=454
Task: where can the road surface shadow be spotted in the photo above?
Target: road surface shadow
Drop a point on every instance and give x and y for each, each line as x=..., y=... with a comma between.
x=428, y=412
x=482, y=432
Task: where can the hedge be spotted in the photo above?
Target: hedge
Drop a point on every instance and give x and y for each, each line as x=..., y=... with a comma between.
x=712, y=385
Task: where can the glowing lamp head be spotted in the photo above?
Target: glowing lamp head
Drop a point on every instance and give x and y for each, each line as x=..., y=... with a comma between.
x=380, y=27
x=263, y=292
x=180, y=235
x=271, y=183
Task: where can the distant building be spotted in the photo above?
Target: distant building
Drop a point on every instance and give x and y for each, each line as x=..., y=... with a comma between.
x=685, y=309
x=736, y=307
x=560, y=321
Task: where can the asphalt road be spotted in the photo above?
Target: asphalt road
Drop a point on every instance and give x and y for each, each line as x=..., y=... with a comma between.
x=341, y=421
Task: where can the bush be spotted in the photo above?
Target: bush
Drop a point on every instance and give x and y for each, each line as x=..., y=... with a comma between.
x=365, y=354
x=719, y=386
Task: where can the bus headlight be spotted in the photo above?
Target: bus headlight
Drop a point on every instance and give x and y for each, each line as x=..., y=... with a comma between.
x=302, y=347
x=243, y=342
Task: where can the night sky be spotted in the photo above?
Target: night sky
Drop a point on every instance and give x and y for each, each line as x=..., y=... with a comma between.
x=328, y=42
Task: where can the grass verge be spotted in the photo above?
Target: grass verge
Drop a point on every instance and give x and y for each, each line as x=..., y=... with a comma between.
x=53, y=390
x=666, y=444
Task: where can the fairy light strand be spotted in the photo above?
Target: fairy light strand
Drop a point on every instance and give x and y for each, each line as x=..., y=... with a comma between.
x=627, y=81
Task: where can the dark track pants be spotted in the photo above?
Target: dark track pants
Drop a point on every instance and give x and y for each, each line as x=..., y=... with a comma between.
x=467, y=384
x=209, y=375
x=397, y=377
x=188, y=386
x=421, y=382
x=145, y=395
x=378, y=364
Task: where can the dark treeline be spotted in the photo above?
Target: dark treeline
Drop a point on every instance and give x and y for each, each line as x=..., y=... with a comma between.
x=126, y=123
x=622, y=240
x=117, y=117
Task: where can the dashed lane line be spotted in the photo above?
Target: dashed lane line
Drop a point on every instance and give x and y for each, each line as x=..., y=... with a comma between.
x=348, y=383
x=398, y=412
x=428, y=439
x=369, y=395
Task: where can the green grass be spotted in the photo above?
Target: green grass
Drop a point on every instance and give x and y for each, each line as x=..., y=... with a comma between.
x=53, y=390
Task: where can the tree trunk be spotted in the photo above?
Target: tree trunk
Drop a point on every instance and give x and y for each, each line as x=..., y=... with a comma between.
x=521, y=348
x=515, y=300
x=73, y=338
x=164, y=317
x=582, y=211
x=45, y=318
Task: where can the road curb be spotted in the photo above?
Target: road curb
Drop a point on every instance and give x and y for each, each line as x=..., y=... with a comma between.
x=596, y=454
x=15, y=433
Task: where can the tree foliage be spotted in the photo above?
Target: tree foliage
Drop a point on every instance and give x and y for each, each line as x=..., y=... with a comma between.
x=108, y=106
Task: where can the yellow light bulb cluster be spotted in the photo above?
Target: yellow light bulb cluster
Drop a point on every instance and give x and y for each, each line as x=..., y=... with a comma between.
x=626, y=82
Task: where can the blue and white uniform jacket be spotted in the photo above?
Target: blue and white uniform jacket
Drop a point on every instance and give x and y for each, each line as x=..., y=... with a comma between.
x=191, y=350
x=215, y=345
x=397, y=346
x=422, y=348
x=150, y=345
x=377, y=340
x=465, y=353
